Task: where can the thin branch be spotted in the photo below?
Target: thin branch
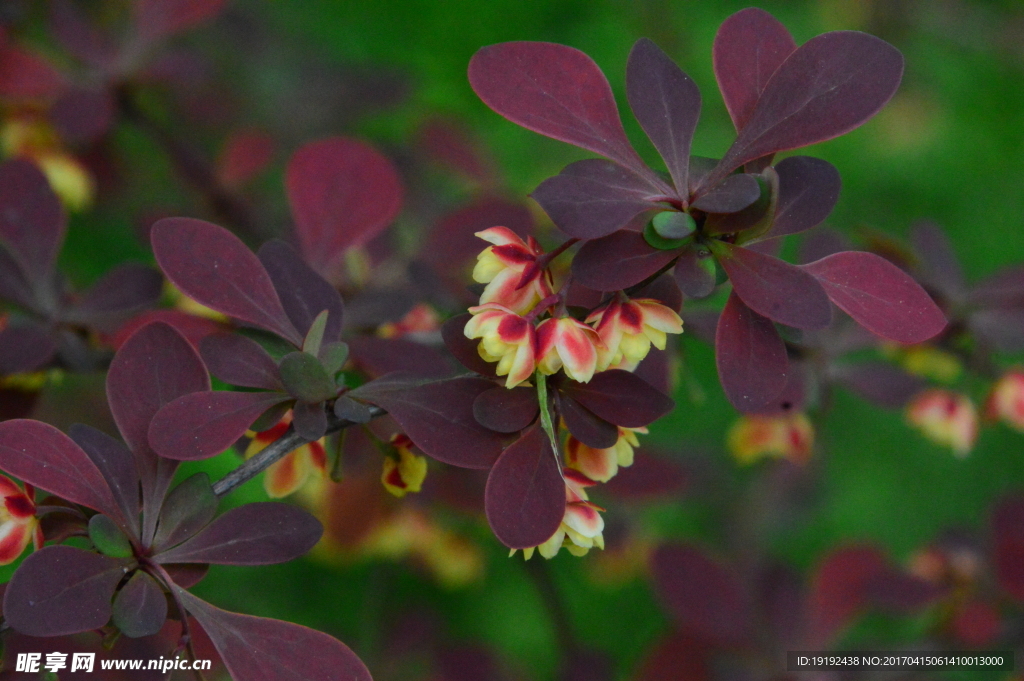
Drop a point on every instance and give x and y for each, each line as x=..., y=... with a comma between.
x=276, y=451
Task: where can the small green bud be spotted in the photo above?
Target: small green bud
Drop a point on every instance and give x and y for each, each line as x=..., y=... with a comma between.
x=673, y=224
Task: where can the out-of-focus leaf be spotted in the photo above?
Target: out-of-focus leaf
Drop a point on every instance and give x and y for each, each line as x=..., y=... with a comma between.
x=26, y=76
x=584, y=425
x=25, y=348
x=819, y=244
x=76, y=34
x=900, y=593
x=749, y=47
x=830, y=85
x=879, y=382
x=808, y=191
x=61, y=590
x=309, y=420
x=83, y=115
x=679, y=657
x=157, y=19
x=140, y=607
x=306, y=379
x=731, y=195
x=187, y=509
x=879, y=296
x=839, y=590
x=751, y=356
x=253, y=534
x=211, y=265
x=1001, y=326
x=666, y=102
x=246, y=154
x=438, y=416
x=695, y=272
x=594, y=197
x=939, y=266
x=465, y=349
x=525, y=494
x=260, y=649
x=650, y=477
x=618, y=261
x=380, y=356
x=1005, y=287
x=108, y=538
x=773, y=288
x=704, y=595
x=202, y=424
x=117, y=467
x=240, y=361
x=619, y=397
x=554, y=90
x=304, y=293
x=194, y=329
x=1008, y=546
x=121, y=291
x=15, y=282
x=504, y=410
x=342, y=193
x=32, y=222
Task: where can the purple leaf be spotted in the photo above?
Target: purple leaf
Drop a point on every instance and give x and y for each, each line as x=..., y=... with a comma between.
x=830, y=85
x=649, y=478
x=15, y=284
x=61, y=590
x=342, y=193
x=731, y=195
x=41, y=455
x=253, y=534
x=504, y=410
x=240, y=361
x=202, y=424
x=839, y=590
x=879, y=382
x=380, y=356
x=32, y=221
x=593, y=198
x=1008, y=546
x=1005, y=287
x=140, y=607
x=620, y=397
x=774, y=288
x=749, y=47
x=584, y=425
x=618, y=261
x=260, y=649
x=187, y=509
x=83, y=115
x=309, y=420
x=751, y=357
x=695, y=272
x=808, y=191
x=24, y=75
x=819, y=244
x=125, y=289
x=1003, y=327
x=938, y=263
x=901, y=593
x=211, y=265
x=304, y=294
x=116, y=465
x=704, y=595
x=465, y=349
x=879, y=296
x=525, y=494
x=156, y=19
x=187, y=575
x=25, y=348
x=666, y=102
x=438, y=416
x=76, y=34
x=554, y=90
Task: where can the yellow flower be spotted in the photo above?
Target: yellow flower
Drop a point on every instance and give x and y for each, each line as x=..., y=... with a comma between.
x=628, y=329
x=406, y=474
x=946, y=418
x=506, y=338
x=293, y=470
x=601, y=465
x=789, y=436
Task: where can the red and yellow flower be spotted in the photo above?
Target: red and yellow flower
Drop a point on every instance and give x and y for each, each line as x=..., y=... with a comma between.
x=566, y=343
x=628, y=328
x=582, y=524
x=601, y=465
x=505, y=338
x=946, y=418
x=293, y=470
x=406, y=473
x=503, y=267
x=18, y=522
x=789, y=436
x=1006, y=401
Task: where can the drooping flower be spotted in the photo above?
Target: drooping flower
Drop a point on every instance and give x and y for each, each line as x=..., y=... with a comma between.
x=18, y=522
x=628, y=328
x=569, y=344
x=406, y=473
x=582, y=525
x=502, y=267
x=601, y=465
x=789, y=436
x=506, y=338
x=946, y=418
x=293, y=470
x=1006, y=401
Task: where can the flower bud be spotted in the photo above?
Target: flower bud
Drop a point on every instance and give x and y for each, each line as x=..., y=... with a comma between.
x=946, y=418
x=1006, y=402
x=789, y=436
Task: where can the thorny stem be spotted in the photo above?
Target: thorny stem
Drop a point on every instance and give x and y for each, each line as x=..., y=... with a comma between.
x=276, y=451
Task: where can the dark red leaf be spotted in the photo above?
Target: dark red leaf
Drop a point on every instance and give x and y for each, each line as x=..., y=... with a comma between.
x=695, y=272
x=593, y=198
x=584, y=425
x=245, y=154
x=879, y=296
x=123, y=290
x=901, y=593
x=773, y=288
x=977, y=623
x=253, y=534
x=618, y=261
x=77, y=35
x=678, y=657
x=15, y=282
x=879, y=382
x=24, y=75
x=819, y=244
x=24, y=349
x=794, y=396
x=61, y=590
x=665, y=290
x=731, y=195
x=525, y=494
x=938, y=264
x=504, y=410
x=557, y=91
x=1008, y=546
x=808, y=191
x=751, y=357
x=155, y=19
x=32, y=221
x=116, y=465
x=749, y=47
x=839, y=590
x=438, y=416
x=380, y=356
x=620, y=397
x=187, y=509
x=83, y=115
x=140, y=607
x=1005, y=287
x=465, y=349
x=304, y=293
x=187, y=575
x=666, y=101
x=830, y=85
x=202, y=424
x=211, y=265
x=343, y=193
x=240, y=361
x=193, y=328
x=451, y=145
x=41, y=455
x=704, y=595
x=260, y=649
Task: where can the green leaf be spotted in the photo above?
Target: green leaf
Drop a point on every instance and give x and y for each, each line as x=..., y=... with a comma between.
x=656, y=240
x=333, y=356
x=306, y=379
x=108, y=537
x=315, y=335
x=674, y=224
